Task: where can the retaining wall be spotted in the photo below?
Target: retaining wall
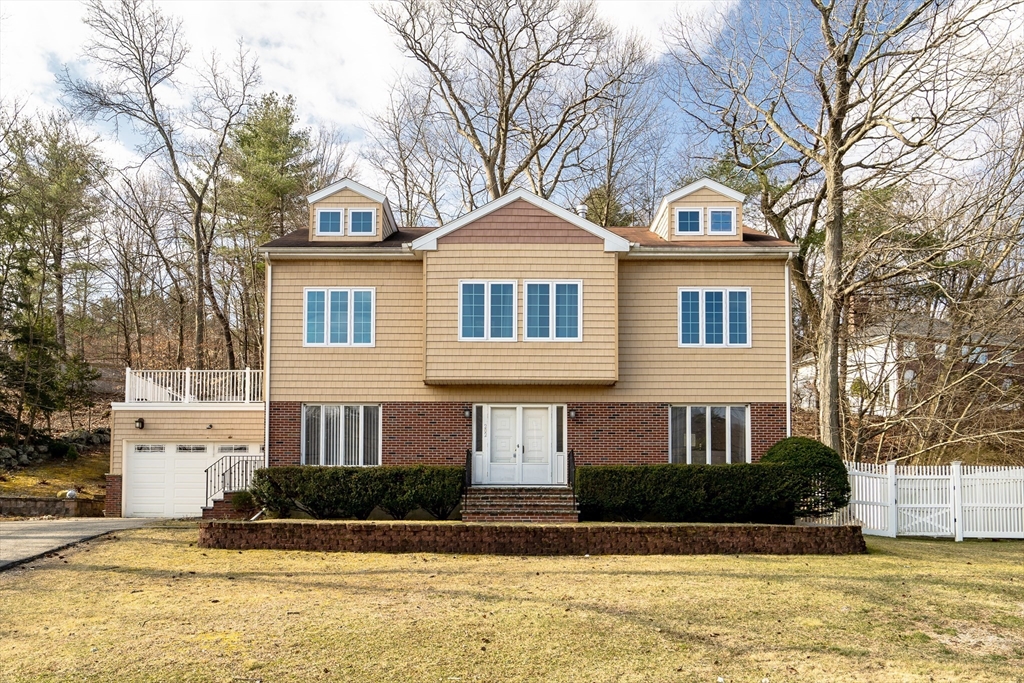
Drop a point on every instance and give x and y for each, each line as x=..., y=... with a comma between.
x=56, y=507
x=532, y=539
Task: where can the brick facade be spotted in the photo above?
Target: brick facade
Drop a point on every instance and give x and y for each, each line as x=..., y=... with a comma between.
x=438, y=432
x=533, y=539
x=285, y=447
x=767, y=427
x=618, y=433
x=427, y=433
x=112, y=501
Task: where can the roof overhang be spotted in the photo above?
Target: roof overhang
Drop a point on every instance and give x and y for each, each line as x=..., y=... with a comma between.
x=612, y=242
x=713, y=252
x=346, y=184
x=702, y=184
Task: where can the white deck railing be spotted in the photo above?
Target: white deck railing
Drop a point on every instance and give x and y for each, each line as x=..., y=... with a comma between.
x=954, y=501
x=193, y=386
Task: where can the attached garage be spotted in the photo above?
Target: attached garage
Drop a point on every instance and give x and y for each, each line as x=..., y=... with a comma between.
x=169, y=479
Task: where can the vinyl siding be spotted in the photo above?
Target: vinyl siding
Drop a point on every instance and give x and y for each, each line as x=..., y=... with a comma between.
x=185, y=426
x=701, y=199
x=651, y=366
x=592, y=360
x=349, y=199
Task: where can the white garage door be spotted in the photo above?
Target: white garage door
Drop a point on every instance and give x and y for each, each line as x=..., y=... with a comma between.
x=166, y=480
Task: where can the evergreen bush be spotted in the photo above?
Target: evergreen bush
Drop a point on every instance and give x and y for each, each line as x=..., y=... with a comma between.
x=353, y=492
x=825, y=484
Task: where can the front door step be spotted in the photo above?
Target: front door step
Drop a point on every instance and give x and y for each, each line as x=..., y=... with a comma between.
x=517, y=504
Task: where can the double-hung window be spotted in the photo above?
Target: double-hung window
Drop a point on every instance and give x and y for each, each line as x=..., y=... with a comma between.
x=487, y=311
x=709, y=435
x=339, y=317
x=689, y=221
x=328, y=221
x=554, y=311
x=714, y=317
x=341, y=435
x=722, y=221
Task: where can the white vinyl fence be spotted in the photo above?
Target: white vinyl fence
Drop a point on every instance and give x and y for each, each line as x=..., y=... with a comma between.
x=954, y=501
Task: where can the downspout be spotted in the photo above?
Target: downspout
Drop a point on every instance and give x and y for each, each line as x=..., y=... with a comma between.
x=789, y=353
x=266, y=369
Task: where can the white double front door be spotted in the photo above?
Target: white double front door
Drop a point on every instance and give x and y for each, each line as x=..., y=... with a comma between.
x=520, y=446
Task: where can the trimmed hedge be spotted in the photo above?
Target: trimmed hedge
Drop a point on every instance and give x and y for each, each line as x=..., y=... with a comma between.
x=766, y=494
x=826, y=485
x=344, y=492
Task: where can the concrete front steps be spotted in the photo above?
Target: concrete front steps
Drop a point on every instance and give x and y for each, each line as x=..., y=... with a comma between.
x=515, y=504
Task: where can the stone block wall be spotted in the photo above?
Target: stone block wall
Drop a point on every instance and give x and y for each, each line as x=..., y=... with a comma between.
x=532, y=539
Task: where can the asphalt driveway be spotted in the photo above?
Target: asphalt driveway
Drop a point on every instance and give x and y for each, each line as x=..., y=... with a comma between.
x=23, y=541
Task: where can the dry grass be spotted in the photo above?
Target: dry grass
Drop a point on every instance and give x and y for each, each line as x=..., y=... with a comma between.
x=50, y=477
x=149, y=605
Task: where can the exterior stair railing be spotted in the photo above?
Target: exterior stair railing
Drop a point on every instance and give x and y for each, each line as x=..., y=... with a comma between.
x=231, y=473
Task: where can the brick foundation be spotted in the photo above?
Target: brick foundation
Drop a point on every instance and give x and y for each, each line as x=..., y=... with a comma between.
x=533, y=539
x=285, y=447
x=427, y=433
x=619, y=433
x=112, y=502
x=767, y=427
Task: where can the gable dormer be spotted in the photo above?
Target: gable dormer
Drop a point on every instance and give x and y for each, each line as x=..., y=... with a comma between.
x=347, y=211
x=701, y=211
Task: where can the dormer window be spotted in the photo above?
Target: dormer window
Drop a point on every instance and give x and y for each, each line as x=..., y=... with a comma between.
x=722, y=221
x=688, y=222
x=361, y=222
x=328, y=222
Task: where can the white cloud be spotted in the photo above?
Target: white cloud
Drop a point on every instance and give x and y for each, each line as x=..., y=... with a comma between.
x=337, y=58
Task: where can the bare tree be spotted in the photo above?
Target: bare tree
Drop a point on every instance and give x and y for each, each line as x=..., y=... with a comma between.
x=141, y=54
x=836, y=97
x=513, y=87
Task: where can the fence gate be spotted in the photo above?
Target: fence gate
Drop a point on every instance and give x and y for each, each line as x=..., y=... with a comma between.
x=951, y=501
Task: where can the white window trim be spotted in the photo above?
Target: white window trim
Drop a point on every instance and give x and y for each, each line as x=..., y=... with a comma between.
x=341, y=222
x=700, y=220
x=731, y=210
x=707, y=423
x=362, y=436
x=551, y=312
x=487, y=310
x=372, y=233
x=351, y=316
x=725, y=318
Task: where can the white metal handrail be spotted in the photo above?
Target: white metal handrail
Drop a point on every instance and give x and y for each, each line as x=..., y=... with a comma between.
x=193, y=386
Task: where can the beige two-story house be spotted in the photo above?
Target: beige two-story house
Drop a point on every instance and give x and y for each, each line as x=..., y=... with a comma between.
x=522, y=339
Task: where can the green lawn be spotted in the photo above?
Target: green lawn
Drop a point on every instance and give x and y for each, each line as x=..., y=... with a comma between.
x=149, y=605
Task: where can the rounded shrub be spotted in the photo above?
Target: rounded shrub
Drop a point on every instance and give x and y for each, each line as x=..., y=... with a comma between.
x=821, y=475
x=243, y=502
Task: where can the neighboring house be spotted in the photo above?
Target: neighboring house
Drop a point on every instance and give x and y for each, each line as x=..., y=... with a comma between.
x=517, y=339
x=891, y=364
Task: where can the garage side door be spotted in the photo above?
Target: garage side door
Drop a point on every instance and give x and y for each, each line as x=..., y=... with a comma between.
x=166, y=480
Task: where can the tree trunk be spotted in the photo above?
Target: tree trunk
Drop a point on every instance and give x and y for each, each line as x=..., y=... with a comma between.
x=200, y=288
x=827, y=338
